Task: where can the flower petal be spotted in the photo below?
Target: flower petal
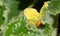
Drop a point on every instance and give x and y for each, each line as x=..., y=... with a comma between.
x=42, y=9
x=31, y=13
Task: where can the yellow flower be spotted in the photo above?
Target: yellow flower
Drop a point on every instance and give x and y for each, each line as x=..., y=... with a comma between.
x=34, y=18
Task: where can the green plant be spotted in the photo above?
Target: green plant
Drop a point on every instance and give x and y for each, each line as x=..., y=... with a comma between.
x=13, y=21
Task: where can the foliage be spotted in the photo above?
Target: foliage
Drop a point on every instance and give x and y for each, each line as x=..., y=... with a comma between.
x=14, y=22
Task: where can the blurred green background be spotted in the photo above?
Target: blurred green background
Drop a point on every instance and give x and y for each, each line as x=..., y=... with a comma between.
x=12, y=20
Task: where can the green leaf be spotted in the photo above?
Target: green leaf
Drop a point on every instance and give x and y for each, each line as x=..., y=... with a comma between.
x=54, y=7
x=2, y=8
x=13, y=7
x=18, y=28
x=47, y=19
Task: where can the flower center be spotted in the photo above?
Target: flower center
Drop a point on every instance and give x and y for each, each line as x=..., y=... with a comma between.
x=38, y=24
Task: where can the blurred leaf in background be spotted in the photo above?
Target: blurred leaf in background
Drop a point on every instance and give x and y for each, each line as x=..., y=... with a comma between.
x=2, y=9
x=54, y=7
x=17, y=28
x=25, y=3
x=13, y=7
